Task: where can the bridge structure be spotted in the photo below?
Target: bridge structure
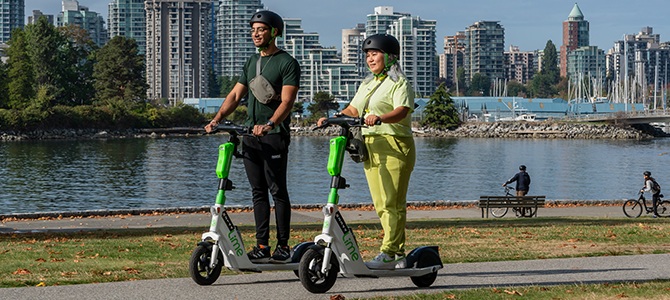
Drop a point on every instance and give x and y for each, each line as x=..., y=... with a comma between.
x=629, y=117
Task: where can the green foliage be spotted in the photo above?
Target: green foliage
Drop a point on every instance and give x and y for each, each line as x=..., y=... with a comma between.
x=479, y=85
x=239, y=116
x=549, y=63
x=440, y=110
x=44, y=41
x=515, y=89
x=226, y=84
x=20, y=71
x=76, y=75
x=4, y=85
x=541, y=86
x=214, y=88
x=119, y=73
x=460, y=75
x=323, y=102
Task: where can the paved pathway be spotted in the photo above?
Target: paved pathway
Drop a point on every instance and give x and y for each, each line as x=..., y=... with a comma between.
x=284, y=285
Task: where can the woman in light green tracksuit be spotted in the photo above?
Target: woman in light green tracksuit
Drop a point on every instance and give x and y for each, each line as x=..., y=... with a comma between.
x=390, y=145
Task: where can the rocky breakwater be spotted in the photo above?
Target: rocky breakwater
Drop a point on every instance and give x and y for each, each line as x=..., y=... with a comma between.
x=548, y=130
x=57, y=134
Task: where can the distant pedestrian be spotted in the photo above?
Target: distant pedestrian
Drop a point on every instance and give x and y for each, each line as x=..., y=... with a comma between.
x=522, y=181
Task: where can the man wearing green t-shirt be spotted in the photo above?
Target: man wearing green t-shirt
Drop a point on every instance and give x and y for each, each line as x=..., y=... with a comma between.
x=265, y=157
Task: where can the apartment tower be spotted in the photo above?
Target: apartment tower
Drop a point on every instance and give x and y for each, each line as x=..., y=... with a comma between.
x=575, y=35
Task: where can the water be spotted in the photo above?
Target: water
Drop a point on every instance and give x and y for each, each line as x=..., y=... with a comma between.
x=38, y=176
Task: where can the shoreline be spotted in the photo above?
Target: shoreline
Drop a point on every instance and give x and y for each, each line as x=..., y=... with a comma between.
x=411, y=205
x=521, y=130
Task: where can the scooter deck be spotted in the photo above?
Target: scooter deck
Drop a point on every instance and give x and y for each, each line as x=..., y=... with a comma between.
x=411, y=272
x=270, y=267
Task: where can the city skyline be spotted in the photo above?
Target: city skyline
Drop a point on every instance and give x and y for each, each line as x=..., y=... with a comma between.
x=527, y=24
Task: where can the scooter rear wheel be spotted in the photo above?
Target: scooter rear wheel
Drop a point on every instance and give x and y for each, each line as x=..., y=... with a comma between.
x=427, y=259
x=199, y=268
x=310, y=273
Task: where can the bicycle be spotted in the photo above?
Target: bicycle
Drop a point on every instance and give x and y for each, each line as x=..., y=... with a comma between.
x=633, y=208
x=518, y=211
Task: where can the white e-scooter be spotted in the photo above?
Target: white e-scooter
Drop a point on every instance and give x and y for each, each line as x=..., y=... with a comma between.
x=223, y=245
x=336, y=250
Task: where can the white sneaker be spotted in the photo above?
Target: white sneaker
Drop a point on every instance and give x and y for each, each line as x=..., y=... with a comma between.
x=400, y=261
x=382, y=262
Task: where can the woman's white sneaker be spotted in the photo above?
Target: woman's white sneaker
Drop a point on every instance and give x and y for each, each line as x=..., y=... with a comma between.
x=382, y=262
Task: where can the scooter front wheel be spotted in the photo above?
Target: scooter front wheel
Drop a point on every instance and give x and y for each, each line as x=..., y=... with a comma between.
x=310, y=273
x=427, y=259
x=199, y=268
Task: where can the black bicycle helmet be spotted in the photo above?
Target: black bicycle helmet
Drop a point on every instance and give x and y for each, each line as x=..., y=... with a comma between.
x=522, y=167
x=269, y=18
x=382, y=42
x=647, y=173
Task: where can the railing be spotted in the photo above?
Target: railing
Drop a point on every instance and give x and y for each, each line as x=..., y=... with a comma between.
x=620, y=115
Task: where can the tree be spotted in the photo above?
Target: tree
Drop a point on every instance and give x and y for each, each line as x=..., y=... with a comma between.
x=44, y=41
x=440, y=110
x=460, y=75
x=323, y=102
x=541, y=86
x=226, y=84
x=20, y=72
x=549, y=63
x=4, y=85
x=479, y=85
x=119, y=72
x=516, y=89
x=213, y=89
x=76, y=76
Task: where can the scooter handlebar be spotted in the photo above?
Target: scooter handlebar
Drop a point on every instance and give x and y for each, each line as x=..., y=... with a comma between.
x=345, y=121
x=233, y=129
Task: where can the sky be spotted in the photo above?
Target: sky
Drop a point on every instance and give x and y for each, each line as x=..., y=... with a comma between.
x=528, y=24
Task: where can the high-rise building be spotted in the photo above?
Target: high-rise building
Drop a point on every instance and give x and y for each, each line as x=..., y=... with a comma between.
x=587, y=61
x=321, y=68
x=178, y=48
x=417, y=52
x=519, y=65
x=639, y=58
x=37, y=14
x=575, y=35
x=92, y=22
x=381, y=19
x=452, y=58
x=128, y=18
x=11, y=16
x=352, y=41
x=484, y=50
x=234, y=41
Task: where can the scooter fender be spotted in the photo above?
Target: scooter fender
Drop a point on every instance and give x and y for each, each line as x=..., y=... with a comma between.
x=300, y=249
x=414, y=255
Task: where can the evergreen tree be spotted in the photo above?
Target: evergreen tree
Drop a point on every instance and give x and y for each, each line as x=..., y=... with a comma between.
x=4, y=85
x=213, y=89
x=550, y=63
x=20, y=72
x=76, y=76
x=541, y=86
x=479, y=85
x=119, y=73
x=44, y=41
x=226, y=84
x=440, y=110
x=323, y=102
x=460, y=75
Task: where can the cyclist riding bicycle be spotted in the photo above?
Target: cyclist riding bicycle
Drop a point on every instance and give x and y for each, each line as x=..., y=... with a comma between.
x=522, y=181
x=650, y=185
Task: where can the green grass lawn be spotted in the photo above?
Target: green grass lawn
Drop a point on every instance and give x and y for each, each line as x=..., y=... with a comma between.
x=134, y=254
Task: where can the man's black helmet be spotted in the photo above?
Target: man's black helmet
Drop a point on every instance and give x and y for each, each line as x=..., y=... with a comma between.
x=269, y=18
x=647, y=173
x=383, y=42
x=522, y=167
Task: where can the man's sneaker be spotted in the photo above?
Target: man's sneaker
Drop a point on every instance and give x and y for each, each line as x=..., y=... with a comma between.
x=260, y=254
x=400, y=261
x=281, y=255
x=382, y=261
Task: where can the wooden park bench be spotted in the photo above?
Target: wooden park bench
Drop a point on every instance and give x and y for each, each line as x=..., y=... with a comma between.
x=487, y=202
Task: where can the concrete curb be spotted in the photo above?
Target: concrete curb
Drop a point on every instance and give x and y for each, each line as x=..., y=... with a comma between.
x=204, y=209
